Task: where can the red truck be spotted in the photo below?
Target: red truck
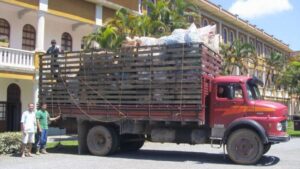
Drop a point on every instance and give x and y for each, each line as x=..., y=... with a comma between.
x=168, y=93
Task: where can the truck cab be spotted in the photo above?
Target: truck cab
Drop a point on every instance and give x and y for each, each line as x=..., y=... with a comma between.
x=242, y=120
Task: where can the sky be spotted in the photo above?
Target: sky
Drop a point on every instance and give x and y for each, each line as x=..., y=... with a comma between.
x=280, y=18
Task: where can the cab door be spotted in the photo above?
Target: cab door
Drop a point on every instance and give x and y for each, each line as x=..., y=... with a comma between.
x=228, y=103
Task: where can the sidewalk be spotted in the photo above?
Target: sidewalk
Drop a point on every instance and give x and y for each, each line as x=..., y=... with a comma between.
x=61, y=138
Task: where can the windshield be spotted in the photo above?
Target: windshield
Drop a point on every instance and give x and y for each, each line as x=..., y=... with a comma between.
x=253, y=91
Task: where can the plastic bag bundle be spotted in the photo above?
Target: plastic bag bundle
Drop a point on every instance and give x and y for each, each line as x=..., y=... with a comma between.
x=193, y=35
x=206, y=35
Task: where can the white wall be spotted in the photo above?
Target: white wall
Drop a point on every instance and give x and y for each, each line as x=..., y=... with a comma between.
x=10, y=13
x=54, y=27
x=26, y=87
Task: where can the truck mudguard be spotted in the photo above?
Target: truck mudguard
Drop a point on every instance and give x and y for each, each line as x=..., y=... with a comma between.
x=246, y=123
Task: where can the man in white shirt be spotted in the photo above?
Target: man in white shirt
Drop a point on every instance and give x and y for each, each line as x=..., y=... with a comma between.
x=28, y=127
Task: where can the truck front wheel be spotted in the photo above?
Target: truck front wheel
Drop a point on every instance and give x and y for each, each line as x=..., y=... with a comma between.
x=244, y=146
x=267, y=147
x=102, y=140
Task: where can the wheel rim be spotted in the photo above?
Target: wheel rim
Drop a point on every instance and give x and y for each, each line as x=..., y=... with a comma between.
x=244, y=147
x=99, y=141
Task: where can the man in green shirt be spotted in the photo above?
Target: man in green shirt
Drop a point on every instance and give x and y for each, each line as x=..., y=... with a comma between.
x=42, y=118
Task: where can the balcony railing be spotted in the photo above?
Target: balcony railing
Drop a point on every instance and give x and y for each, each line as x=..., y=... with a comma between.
x=15, y=59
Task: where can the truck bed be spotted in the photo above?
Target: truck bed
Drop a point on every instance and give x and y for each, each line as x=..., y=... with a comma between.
x=144, y=83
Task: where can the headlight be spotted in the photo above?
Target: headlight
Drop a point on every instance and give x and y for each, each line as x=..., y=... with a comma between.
x=279, y=126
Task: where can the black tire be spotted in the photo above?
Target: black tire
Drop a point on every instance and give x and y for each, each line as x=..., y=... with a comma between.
x=116, y=141
x=267, y=148
x=101, y=140
x=130, y=142
x=244, y=146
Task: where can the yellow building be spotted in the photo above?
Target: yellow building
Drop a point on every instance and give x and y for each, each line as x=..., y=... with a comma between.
x=28, y=26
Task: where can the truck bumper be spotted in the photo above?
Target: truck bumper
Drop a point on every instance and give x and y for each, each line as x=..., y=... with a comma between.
x=276, y=139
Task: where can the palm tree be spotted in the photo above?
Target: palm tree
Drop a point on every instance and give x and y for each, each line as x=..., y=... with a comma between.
x=237, y=55
x=107, y=37
x=172, y=13
x=165, y=16
x=274, y=63
x=123, y=21
x=290, y=78
x=180, y=11
x=226, y=54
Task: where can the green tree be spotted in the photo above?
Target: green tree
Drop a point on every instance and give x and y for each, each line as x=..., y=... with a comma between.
x=290, y=78
x=274, y=63
x=180, y=11
x=165, y=16
x=122, y=21
x=237, y=55
x=107, y=37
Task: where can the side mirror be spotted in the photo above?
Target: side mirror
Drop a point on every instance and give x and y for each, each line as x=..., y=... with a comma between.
x=231, y=92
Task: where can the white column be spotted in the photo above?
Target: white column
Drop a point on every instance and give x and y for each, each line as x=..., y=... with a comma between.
x=221, y=31
x=264, y=65
x=140, y=6
x=99, y=15
x=247, y=38
x=40, y=43
x=43, y=7
x=35, y=89
x=238, y=71
x=39, y=48
x=40, y=32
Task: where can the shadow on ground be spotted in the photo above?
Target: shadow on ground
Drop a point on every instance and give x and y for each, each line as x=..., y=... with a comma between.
x=167, y=155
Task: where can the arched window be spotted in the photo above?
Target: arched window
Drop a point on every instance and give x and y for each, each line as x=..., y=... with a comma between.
x=205, y=22
x=251, y=41
x=225, y=35
x=259, y=48
x=190, y=19
x=66, y=42
x=242, y=38
x=231, y=37
x=29, y=37
x=4, y=30
x=83, y=42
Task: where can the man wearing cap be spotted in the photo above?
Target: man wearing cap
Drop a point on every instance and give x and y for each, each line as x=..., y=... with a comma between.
x=53, y=51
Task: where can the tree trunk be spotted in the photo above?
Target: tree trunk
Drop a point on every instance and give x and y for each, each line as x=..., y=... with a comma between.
x=265, y=86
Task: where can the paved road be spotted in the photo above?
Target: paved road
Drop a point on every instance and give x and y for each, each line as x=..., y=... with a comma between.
x=156, y=156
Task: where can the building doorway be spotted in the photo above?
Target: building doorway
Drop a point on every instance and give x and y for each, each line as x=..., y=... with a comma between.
x=13, y=107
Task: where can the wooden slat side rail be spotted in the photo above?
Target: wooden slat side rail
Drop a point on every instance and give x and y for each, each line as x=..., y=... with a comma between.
x=153, y=79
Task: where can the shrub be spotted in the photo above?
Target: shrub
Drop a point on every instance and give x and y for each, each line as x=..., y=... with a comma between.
x=10, y=142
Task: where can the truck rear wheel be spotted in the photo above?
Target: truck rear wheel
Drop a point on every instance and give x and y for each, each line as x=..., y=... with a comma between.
x=244, y=146
x=102, y=140
x=131, y=142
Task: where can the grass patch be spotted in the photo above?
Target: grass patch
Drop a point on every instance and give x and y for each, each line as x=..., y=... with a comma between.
x=64, y=143
x=291, y=130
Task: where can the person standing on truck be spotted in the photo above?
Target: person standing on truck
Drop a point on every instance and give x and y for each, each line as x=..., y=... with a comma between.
x=28, y=127
x=53, y=51
x=42, y=117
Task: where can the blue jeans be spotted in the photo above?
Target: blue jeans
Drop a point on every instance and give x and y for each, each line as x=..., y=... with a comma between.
x=42, y=139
